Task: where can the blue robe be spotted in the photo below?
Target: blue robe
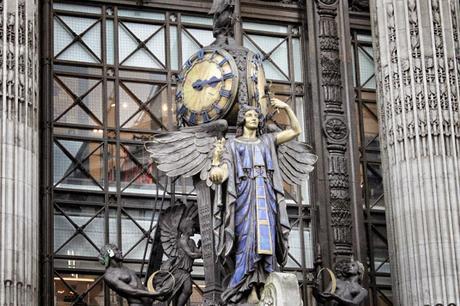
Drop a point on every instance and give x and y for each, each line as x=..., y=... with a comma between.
x=255, y=226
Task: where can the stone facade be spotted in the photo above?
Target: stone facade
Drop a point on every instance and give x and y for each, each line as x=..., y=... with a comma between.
x=417, y=52
x=19, y=135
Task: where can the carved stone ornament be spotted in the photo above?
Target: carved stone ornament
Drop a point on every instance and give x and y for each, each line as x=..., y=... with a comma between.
x=281, y=289
x=336, y=129
x=328, y=2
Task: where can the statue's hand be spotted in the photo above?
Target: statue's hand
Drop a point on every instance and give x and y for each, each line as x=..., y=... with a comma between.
x=216, y=175
x=277, y=103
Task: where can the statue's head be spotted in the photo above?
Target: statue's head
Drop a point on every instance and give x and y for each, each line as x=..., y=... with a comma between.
x=345, y=269
x=223, y=11
x=250, y=117
x=109, y=252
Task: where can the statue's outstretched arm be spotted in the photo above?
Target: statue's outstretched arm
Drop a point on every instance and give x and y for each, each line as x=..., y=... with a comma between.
x=119, y=286
x=294, y=130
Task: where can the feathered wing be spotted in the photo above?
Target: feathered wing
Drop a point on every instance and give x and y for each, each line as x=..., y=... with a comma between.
x=169, y=226
x=296, y=161
x=188, y=151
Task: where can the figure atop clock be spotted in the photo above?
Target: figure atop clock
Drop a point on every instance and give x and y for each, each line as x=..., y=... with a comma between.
x=220, y=77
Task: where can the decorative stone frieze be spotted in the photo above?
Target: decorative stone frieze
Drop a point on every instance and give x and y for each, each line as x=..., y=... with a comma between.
x=418, y=70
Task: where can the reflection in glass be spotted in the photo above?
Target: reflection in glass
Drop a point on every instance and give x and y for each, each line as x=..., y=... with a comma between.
x=132, y=233
x=295, y=248
x=69, y=287
x=78, y=164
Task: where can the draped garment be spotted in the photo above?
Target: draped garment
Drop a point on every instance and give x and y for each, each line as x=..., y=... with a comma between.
x=255, y=229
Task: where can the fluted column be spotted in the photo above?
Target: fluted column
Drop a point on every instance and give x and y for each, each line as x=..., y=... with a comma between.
x=18, y=153
x=418, y=66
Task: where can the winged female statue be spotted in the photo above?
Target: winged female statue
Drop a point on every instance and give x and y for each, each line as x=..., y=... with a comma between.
x=251, y=223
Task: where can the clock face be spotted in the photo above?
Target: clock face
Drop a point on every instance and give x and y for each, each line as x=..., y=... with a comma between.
x=207, y=86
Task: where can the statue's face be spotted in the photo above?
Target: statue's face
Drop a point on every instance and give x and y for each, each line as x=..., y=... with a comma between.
x=352, y=268
x=251, y=119
x=117, y=254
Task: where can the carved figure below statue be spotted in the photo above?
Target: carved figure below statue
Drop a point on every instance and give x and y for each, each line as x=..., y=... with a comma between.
x=124, y=281
x=254, y=233
x=177, y=226
x=348, y=290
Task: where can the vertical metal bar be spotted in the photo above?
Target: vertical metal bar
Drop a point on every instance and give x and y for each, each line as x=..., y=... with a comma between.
x=117, y=125
x=46, y=192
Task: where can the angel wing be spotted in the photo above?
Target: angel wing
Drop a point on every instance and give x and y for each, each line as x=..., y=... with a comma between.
x=170, y=221
x=188, y=151
x=295, y=159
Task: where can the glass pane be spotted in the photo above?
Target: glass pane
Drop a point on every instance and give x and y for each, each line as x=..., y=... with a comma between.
x=157, y=46
x=271, y=71
x=174, y=48
x=81, y=215
x=366, y=67
x=77, y=53
x=132, y=234
x=80, y=283
x=375, y=186
x=132, y=175
x=295, y=249
x=110, y=42
x=93, y=39
x=141, y=14
x=77, y=8
x=85, y=175
x=111, y=103
x=205, y=37
x=297, y=59
x=77, y=246
x=130, y=33
x=94, y=133
x=197, y=20
x=364, y=37
x=88, y=91
x=267, y=43
x=280, y=57
x=265, y=27
x=62, y=37
x=189, y=46
x=300, y=112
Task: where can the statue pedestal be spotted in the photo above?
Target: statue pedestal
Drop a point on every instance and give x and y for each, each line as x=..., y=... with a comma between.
x=281, y=289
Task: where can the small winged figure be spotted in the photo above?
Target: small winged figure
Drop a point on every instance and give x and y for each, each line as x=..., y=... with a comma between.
x=176, y=227
x=251, y=225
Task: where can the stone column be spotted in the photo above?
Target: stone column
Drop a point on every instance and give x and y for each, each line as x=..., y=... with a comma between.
x=418, y=66
x=19, y=189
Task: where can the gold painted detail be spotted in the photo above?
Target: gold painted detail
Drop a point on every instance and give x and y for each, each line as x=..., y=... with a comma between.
x=207, y=86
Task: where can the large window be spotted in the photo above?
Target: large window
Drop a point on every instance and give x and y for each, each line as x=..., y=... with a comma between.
x=371, y=171
x=113, y=86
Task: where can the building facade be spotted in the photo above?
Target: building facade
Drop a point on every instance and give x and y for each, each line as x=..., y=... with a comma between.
x=86, y=83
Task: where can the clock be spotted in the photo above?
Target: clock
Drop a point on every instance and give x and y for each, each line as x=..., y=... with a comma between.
x=207, y=86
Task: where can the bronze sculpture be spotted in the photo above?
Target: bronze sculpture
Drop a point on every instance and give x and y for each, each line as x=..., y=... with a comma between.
x=346, y=290
x=124, y=281
x=177, y=226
